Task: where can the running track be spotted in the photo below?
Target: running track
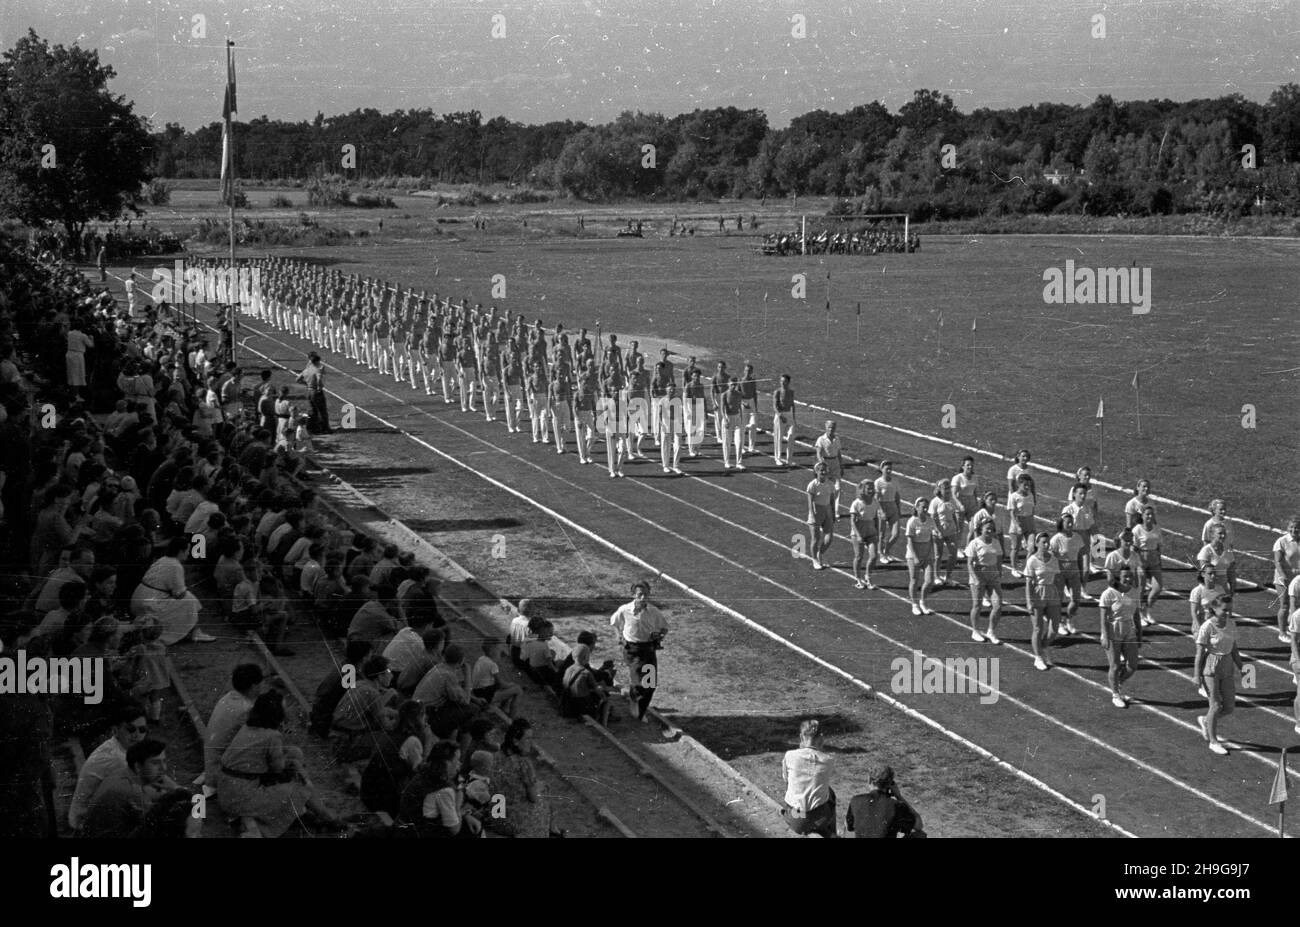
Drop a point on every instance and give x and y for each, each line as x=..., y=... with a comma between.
x=729, y=536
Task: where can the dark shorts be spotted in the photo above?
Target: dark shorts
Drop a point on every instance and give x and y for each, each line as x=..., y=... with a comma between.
x=819, y=821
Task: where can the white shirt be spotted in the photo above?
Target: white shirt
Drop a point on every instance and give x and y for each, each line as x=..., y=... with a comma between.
x=1290, y=556
x=827, y=449
x=637, y=629
x=807, y=774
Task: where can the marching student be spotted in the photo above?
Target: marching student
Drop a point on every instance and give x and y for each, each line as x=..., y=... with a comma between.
x=749, y=406
x=639, y=389
x=1286, y=567
x=966, y=493
x=561, y=396
x=984, y=560
x=693, y=412
x=920, y=555
x=730, y=404
x=467, y=372
x=584, y=403
x=491, y=366
x=944, y=513
x=1218, y=519
x=447, y=363
x=716, y=388
x=1014, y=472
x=539, y=403
x=663, y=375
x=1082, y=507
x=1121, y=634
x=1218, y=660
x=1020, y=521
x=821, y=517
x=669, y=419
x=1147, y=540
x=1141, y=499
x=1068, y=548
x=864, y=533
x=1122, y=556
x=1042, y=597
x=827, y=449
x=1219, y=554
x=1201, y=599
x=783, y=422
x=513, y=376
x=891, y=500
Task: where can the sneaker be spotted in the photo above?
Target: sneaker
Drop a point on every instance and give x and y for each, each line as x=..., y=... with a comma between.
x=927, y=610
x=1017, y=574
x=992, y=638
x=677, y=470
x=1147, y=621
x=1126, y=697
x=871, y=585
x=818, y=565
x=1218, y=748
x=987, y=603
x=726, y=466
x=1118, y=702
x=860, y=585
x=1201, y=689
x=977, y=637
x=1070, y=628
x=201, y=638
x=1284, y=637
x=777, y=461
x=1040, y=663
x=666, y=470
x=1297, y=728
x=612, y=474
x=740, y=466
x=916, y=610
x=622, y=474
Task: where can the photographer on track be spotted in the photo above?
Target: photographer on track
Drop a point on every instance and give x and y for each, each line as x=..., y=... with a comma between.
x=882, y=812
x=642, y=628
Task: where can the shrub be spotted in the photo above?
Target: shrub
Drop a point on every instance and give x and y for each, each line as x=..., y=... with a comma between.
x=158, y=192
x=280, y=201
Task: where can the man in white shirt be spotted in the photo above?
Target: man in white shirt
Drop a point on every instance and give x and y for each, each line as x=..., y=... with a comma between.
x=642, y=628
x=228, y=717
x=827, y=448
x=107, y=760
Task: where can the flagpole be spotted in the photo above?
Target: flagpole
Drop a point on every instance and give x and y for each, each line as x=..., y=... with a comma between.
x=230, y=135
x=765, y=311
x=1137, y=398
x=859, y=323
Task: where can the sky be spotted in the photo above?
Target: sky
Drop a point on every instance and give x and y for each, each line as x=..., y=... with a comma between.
x=589, y=60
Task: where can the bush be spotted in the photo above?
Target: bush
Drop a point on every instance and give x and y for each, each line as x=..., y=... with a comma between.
x=280, y=201
x=373, y=201
x=158, y=192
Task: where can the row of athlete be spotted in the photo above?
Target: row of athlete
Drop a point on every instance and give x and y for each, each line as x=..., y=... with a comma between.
x=563, y=387
x=1055, y=567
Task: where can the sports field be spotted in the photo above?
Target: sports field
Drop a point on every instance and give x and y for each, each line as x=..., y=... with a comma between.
x=961, y=323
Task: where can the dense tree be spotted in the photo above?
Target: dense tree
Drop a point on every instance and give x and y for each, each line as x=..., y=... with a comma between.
x=70, y=150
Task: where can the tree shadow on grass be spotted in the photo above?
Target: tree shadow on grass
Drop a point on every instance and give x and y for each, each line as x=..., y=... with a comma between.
x=733, y=736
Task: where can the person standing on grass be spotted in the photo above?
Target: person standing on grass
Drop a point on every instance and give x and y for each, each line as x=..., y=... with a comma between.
x=642, y=628
x=783, y=422
x=1217, y=663
x=1121, y=634
x=809, y=799
x=864, y=533
x=1286, y=567
x=821, y=517
x=313, y=377
x=984, y=559
x=920, y=555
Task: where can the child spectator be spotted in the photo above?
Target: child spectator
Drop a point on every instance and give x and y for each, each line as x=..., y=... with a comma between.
x=485, y=679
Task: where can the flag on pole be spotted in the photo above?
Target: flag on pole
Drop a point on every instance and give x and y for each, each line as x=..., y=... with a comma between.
x=1278, y=793
x=1135, y=381
x=973, y=326
x=859, y=308
x=941, y=318
x=228, y=109
x=1101, y=409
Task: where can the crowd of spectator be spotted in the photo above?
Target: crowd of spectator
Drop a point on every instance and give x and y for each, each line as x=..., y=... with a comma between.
x=169, y=494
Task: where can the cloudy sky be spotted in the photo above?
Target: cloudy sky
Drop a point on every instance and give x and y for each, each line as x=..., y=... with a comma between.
x=591, y=59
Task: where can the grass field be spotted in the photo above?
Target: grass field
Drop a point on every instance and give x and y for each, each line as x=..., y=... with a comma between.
x=1222, y=332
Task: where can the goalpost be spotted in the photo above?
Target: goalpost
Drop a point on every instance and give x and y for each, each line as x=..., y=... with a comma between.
x=872, y=217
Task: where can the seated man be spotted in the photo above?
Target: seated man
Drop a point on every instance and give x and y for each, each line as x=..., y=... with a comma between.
x=108, y=760
x=119, y=804
x=882, y=812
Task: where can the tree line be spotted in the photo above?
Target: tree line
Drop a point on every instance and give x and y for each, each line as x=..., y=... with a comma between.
x=1222, y=156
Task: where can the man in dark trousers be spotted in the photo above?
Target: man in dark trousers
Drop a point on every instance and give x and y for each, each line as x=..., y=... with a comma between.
x=641, y=629
x=313, y=377
x=882, y=812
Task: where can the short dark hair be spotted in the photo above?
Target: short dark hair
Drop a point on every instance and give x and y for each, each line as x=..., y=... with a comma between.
x=146, y=749
x=267, y=711
x=245, y=676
